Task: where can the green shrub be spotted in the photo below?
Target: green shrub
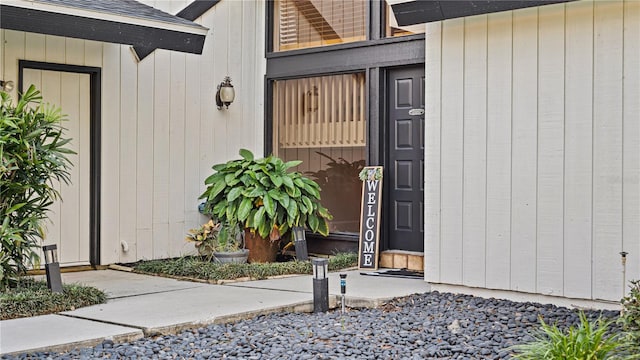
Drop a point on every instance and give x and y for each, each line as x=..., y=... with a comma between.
x=32, y=154
x=587, y=341
x=30, y=298
x=630, y=316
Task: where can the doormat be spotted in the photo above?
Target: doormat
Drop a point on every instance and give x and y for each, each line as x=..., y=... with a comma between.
x=401, y=273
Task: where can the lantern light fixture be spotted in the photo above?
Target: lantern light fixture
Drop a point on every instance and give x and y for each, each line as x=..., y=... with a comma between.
x=300, y=242
x=225, y=93
x=6, y=86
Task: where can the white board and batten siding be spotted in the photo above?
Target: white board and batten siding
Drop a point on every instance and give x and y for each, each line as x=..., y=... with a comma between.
x=161, y=131
x=533, y=150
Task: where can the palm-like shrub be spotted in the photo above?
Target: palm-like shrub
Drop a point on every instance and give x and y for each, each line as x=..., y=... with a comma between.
x=32, y=154
x=587, y=341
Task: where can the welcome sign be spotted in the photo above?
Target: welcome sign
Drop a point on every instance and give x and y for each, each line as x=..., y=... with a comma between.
x=371, y=177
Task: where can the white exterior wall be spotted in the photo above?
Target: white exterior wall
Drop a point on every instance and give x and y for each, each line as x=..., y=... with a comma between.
x=161, y=131
x=533, y=150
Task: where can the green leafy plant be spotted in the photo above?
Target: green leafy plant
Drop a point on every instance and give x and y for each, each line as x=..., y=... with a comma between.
x=263, y=196
x=214, y=237
x=630, y=317
x=587, y=341
x=341, y=190
x=30, y=298
x=196, y=268
x=32, y=153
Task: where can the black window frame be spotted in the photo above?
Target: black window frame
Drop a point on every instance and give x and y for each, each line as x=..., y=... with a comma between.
x=371, y=56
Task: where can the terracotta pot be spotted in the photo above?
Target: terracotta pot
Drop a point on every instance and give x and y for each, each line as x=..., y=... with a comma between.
x=261, y=250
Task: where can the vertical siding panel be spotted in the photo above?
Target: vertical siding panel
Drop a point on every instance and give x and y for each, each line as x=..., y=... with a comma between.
x=177, y=154
x=193, y=182
x=474, y=151
x=524, y=148
x=578, y=149
x=54, y=49
x=84, y=163
x=631, y=140
x=433, y=119
x=550, y=149
x=49, y=84
x=2, y=54
x=210, y=123
x=220, y=61
x=144, y=156
x=607, y=149
x=250, y=118
x=499, y=77
x=236, y=50
x=452, y=150
x=35, y=47
x=93, y=54
x=70, y=210
x=74, y=51
x=110, y=155
x=260, y=66
x=13, y=46
x=128, y=155
x=161, y=152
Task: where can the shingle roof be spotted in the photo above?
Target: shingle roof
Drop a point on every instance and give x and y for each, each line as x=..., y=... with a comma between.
x=129, y=8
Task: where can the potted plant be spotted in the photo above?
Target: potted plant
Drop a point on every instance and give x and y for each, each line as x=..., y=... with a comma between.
x=265, y=199
x=219, y=241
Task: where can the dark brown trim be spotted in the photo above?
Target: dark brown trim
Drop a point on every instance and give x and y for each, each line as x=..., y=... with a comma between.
x=95, y=79
x=43, y=22
x=354, y=57
x=424, y=11
x=196, y=9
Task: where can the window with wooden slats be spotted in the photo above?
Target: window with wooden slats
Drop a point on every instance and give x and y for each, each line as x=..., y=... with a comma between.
x=311, y=23
x=321, y=121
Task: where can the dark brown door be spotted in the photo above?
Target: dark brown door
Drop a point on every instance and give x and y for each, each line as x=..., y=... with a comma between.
x=405, y=159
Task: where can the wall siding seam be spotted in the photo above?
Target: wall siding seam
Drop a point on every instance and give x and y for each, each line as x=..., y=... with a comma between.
x=511, y=164
x=486, y=148
x=593, y=129
x=464, y=76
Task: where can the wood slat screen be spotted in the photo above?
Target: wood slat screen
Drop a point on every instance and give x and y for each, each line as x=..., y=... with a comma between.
x=310, y=23
x=320, y=112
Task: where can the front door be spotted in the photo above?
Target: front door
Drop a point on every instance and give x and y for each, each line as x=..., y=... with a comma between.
x=404, y=175
x=69, y=217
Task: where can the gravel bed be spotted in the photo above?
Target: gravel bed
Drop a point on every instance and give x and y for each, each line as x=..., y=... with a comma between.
x=422, y=326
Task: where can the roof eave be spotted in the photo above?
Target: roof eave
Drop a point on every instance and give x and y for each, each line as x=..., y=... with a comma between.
x=186, y=39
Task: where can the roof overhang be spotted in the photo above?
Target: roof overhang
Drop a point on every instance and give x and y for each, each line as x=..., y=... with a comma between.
x=145, y=33
x=424, y=11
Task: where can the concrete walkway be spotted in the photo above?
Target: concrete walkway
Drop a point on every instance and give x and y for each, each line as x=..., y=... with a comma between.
x=140, y=305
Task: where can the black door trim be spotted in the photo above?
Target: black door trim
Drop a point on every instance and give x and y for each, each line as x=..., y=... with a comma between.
x=95, y=78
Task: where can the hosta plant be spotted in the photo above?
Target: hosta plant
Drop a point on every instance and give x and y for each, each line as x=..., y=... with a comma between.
x=262, y=195
x=33, y=152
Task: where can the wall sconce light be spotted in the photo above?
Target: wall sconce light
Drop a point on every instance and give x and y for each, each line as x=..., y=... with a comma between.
x=52, y=268
x=225, y=94
x=320, y=285
x=6, y=86
x=300, y=242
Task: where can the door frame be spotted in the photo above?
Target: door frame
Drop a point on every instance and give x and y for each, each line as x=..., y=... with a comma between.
x=95, y=111
x=384, y=149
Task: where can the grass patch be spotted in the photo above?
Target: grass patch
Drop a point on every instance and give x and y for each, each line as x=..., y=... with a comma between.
x=31, y=297
x=195, y=267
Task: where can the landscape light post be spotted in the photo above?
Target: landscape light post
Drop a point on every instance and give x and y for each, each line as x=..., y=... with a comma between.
x=52, y=268
x=320, y=285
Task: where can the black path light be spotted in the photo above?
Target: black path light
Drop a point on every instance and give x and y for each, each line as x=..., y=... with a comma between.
x=300, y=242
x=320, y=285
x=52, y=268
